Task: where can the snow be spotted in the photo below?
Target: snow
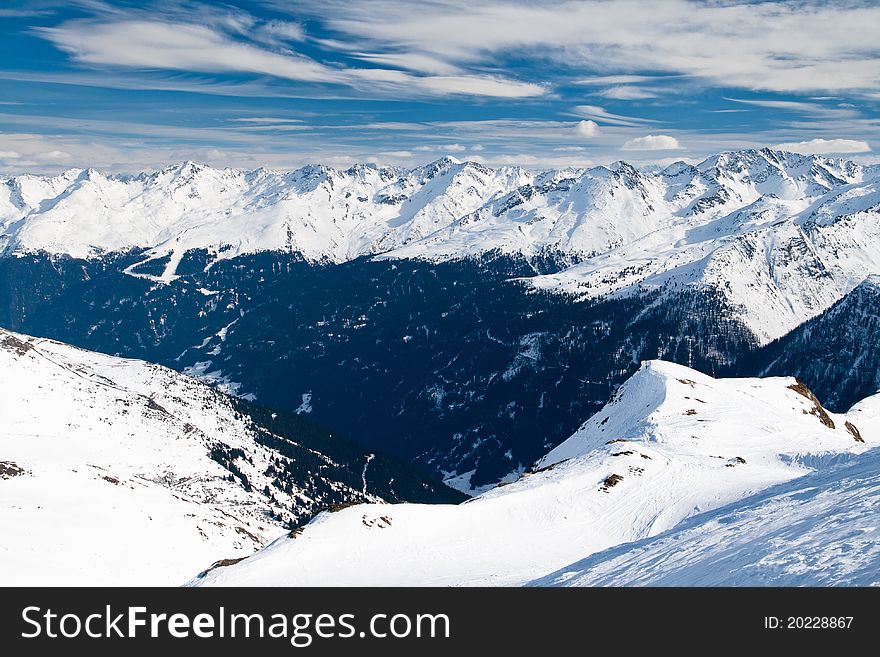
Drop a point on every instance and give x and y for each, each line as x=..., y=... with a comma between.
x=781, y=236
x=118, y=485
x=679, y=442
x=369, y=458
x=306, y=406
x=322, y=213
x=818, y=530
x=202, y=371
x=866, y=416
x=462, y=482
x=777, y=262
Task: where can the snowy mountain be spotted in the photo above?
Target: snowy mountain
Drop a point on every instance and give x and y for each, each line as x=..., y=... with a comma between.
x=818, y=530
x=837, y=353
x=781, y=236
x=320, y=213
x=672, y=443
x=117, y=471
x=463, y=318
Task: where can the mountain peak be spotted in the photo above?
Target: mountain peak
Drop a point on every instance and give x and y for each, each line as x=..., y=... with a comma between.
x=673, y=443
x=670, y=403
x=446, y=160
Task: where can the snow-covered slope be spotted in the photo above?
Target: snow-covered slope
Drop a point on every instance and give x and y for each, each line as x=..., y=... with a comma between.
x=671, y=444
x=780, y=236
x=117, y=471
x=321, y=213
x=837, y=353
x=819, y=530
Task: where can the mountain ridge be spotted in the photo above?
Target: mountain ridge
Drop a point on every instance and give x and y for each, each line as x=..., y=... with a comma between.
x=116, y=470
x=611, y=230
x=672, y=443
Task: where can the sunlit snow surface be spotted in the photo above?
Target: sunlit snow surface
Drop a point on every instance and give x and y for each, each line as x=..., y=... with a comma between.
x=117, y=485
x=819, y=530
x=680, y=443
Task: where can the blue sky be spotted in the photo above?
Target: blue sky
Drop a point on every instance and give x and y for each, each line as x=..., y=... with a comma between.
x=126, y=86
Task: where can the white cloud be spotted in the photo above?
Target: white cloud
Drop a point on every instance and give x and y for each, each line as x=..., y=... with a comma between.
x=448, y=148
x=615, y=79
x=627, y=92
x=652, y=143
x=264, y=119
x=480, y=86
x=153, y=44
x=22, y=13
x=176, y=46
x=283, y=30
x=837, y=110
x=55, y=155
x=788, y=45
x=412, y=62
x=9, y=155
x=600, y=114
x=586, y=128
x=820, y=146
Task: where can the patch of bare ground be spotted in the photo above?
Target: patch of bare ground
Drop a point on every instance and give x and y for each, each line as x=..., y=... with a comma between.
x=855, y=432
x=8, y=469
x=610, y=482
x=801, y=388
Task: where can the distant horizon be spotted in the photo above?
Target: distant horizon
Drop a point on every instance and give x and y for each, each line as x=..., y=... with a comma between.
x=118, y=85
x=646, y=167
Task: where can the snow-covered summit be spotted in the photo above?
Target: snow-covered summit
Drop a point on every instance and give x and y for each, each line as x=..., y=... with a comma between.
x=319, y=212
x=668, y=404
x=779, y=237
x=673, y=443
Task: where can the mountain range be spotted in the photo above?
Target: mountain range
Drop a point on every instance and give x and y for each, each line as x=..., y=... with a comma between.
x=776, y=233
x=460, y=317
x=244, y=375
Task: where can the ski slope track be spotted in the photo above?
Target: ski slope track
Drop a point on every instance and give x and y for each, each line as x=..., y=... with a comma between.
x=819, y=530
x=671, y=445
x=779, y=236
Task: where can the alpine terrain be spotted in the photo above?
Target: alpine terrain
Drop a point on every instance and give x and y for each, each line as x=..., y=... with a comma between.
x=456, y=316
x=671, y=446
x=119, y=472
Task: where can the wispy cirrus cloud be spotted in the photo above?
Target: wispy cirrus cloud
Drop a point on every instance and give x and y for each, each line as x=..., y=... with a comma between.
x=778, y=46
x=602, y=116
x=176, y=46
x=812, y=108
x=627, y=92
x=129, y=84
x=264, y=120
x=602, y=80
x=150, y=44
